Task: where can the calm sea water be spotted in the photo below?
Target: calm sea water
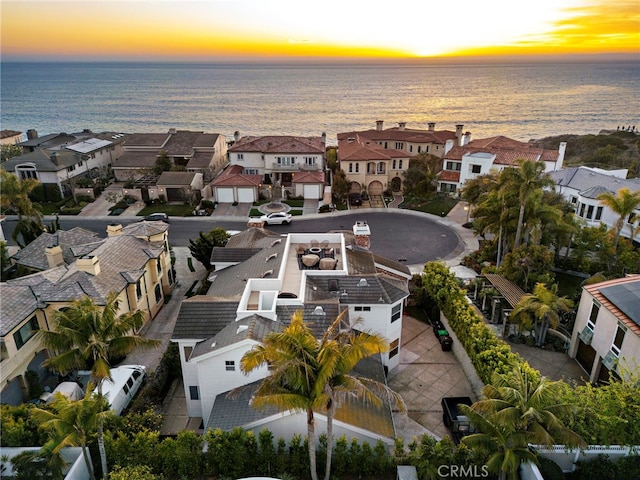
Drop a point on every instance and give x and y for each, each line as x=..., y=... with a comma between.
x=521, y=101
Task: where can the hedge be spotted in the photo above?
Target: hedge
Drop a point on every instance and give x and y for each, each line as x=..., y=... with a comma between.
x=488, y=353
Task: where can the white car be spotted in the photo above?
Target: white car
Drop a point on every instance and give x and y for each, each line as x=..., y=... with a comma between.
x=277, y=218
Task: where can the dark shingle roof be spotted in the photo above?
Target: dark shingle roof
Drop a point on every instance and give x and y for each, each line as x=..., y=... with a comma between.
x=360, y=289
x=203, y=316
x=232, y=255
x=583, y=179
x=233, y=409
x=18, y=302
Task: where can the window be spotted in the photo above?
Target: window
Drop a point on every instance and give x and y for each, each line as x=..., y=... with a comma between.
x=593, y=316
x=351, y=168
x=393, y=165
x=411, y=148
x=71, y=168
x=396, y=312
x=357, y=167
x=618, y=339
x=632, y=218
x=385, y=145
x=194, y=394
x=130, y=382
x=27, y=331
x=476, y=168
x=574, y=200
x=158, y=292
x=590, y=212
x=394, y=348
x=139, y=289
x=598, y=213
x=251, y=171
x=125, y=389
x=362, y=309
x=310, y=160
x=381, y=168
x=286, y=161
x=400, y=164
x=582, y=207
x=420, y=148
x=230, y=366
x=241, y=156
x=399, y=145
x=159, y=266
x=371, y=167
x=80, y=163
x=27, y=172
x=455, y=166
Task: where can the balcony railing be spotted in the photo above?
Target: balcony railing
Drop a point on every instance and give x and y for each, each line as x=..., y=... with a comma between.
x=295, y=167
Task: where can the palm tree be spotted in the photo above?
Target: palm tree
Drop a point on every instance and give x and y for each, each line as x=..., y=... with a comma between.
x=72, y=423
x=518, y=408
x=14, y=195
x=87, y=335
x=542, y=308
x=624, y=202
x=527, y=179
x=312, y=375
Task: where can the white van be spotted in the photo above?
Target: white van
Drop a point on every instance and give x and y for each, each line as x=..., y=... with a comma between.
x=126, y=381
x=71, y=390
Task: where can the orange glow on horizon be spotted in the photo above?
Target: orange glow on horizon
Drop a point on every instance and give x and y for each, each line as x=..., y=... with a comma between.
x=216, y=29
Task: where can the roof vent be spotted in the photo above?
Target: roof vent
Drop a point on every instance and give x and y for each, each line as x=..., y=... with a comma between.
x=271, y=257
x=344, y=293
x=276, y=242
x=363, y=282
x=242, y=328
x=267, y=273
x=381, y=300
x=318, y=311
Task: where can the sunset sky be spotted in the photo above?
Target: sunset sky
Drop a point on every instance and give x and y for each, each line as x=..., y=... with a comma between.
x=201, y=30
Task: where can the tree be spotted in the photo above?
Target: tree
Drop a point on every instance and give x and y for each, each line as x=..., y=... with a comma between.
x=340, y=186
x=310, y=375
x=542, y=308
x=163, y=164
x=623, y=203
x=8, y=151
x=519, y=408
x=527, y=179
x=72, y=423
x=420, y=177
x=202, y=247
x=88, y=335
x=14, y=194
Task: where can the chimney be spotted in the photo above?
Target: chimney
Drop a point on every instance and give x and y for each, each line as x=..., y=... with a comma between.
x=362, y=233
x=89, y=264
x=448, y=146
x=172, y=131
x=114, y=230
x=432, y=126
x=466, y=139
x=236, y=136
x=379, y=124
x=459, y=131
x=561, y=149
x=324, y=138
x=54, y=256
x=402, y=125
x=32, y=134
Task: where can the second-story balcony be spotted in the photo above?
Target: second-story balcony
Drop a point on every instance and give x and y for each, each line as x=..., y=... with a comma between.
x=296, y=167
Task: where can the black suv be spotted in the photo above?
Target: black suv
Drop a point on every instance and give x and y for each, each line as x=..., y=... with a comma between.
x=355, y=199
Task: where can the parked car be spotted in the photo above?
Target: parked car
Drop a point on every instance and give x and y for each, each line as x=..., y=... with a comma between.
x=157, y=217
x=277, y=218
x=71, y=390
x=355, y=199
x=458, y=425
x=126, y=380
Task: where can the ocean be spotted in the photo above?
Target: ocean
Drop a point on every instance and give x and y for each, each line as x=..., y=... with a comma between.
x=521, y=101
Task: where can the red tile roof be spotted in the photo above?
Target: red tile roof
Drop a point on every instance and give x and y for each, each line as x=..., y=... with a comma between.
x=232, y=176
x=594, y=290
x=279, y=144
x=309, y=177
x=449, y=176
x=507, y=151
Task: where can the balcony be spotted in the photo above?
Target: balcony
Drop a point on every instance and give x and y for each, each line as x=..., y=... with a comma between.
x=296, y=167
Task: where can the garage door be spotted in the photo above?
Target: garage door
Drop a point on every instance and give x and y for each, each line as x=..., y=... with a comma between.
x=245, y=195
x=375, y=188
x=224, y=195
x=312, y=192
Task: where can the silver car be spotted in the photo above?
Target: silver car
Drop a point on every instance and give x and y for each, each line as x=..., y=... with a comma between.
x=277, y=218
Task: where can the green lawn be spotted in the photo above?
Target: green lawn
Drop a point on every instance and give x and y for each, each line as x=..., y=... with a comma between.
x=171, y=210
x=435, y=205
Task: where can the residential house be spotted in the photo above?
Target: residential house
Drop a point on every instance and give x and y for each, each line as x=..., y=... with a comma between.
x=479, y=157
x=582, y=185
x=280, y=161
x=197, y=152
x=133, y=261
x=58, y=161
x=233, y=185
x=375, y=160
x=259, y=280
x=606, y=335
x=181, y=186
x=10, y=137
